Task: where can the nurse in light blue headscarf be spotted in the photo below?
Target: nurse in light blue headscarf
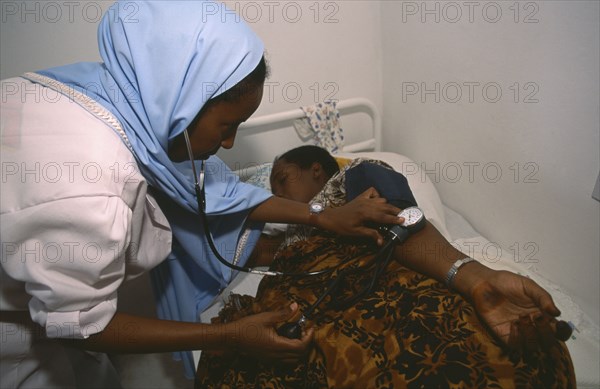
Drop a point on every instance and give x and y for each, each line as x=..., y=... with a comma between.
x=162, y=63
x=168, y=66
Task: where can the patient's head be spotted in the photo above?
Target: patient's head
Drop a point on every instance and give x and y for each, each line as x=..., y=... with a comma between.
x=299, y=174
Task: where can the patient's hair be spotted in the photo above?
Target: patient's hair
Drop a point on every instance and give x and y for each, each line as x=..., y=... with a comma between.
x=305, y=156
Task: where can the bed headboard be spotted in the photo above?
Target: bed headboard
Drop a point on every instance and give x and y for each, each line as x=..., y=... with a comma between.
x=262, y=138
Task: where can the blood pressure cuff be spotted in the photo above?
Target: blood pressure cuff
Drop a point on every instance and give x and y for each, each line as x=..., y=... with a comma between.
x=390, y=184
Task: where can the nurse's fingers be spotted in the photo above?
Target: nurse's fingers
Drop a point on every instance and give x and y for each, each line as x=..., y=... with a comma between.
x=369, y=193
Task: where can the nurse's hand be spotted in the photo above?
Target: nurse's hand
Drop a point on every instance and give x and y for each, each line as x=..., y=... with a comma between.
x=256, y=336
x=357, y=217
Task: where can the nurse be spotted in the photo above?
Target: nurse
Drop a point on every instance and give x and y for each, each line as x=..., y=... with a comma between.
x=96, y=190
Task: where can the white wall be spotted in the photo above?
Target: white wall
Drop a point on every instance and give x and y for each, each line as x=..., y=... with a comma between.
x=317, y=49
x=36, y=35
x=521, y=165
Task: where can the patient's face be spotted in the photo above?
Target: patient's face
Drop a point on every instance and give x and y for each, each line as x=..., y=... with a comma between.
x=289, y=181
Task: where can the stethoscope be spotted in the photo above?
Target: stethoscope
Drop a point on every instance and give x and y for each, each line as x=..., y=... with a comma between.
x=397, y=234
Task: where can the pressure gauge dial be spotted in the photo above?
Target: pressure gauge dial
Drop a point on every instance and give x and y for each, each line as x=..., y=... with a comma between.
x=414, y=220
x=412, y=216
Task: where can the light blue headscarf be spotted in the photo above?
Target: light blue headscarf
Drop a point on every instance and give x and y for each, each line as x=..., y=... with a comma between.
x=162, y=61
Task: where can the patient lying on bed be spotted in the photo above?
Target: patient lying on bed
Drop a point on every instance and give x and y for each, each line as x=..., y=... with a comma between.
x=491, y=329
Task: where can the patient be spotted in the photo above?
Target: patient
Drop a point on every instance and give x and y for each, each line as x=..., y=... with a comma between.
x=486, y=329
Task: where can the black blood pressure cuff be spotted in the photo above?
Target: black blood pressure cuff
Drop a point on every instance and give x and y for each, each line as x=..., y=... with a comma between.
x=391, y=185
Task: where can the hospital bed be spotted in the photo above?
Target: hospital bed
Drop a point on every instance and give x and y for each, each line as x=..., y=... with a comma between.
x=262, y=138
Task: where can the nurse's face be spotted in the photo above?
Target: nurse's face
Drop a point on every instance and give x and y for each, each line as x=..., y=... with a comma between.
x=216, y=127
x=289, y=181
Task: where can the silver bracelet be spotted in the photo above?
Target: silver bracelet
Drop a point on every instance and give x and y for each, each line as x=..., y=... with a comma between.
x=454, y=270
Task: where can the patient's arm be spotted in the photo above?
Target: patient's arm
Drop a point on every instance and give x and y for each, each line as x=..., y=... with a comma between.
x=515, y=308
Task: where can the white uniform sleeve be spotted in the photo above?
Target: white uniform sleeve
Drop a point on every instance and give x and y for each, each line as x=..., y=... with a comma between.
x=71, y=254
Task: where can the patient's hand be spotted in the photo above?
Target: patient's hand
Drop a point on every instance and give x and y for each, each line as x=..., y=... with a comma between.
x=517, y=310
x=256, y=336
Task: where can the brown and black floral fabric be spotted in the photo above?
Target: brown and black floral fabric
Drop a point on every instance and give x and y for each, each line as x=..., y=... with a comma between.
x=410, y=332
